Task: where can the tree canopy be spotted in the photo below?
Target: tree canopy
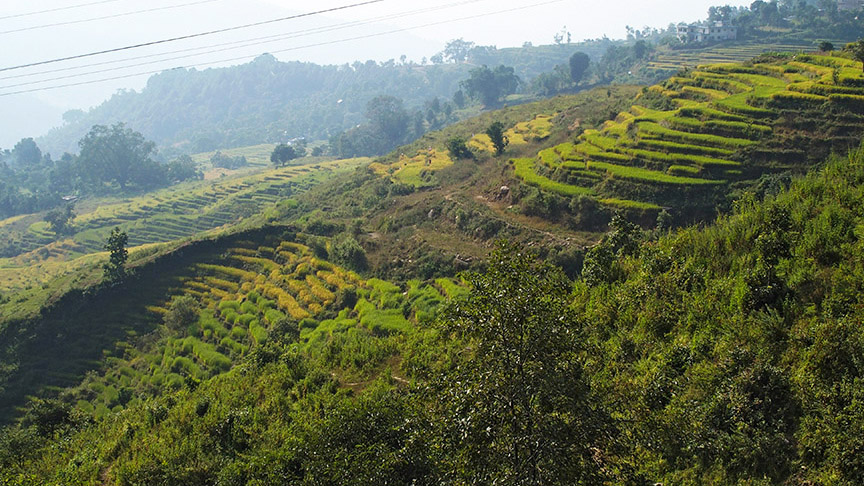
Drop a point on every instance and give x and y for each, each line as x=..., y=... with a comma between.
x=387, y=114
x=115, y=268
x=518, y=400
x=579, y=62
x=857, y=50
x=283, y=153
x=457, y=50
x=496, y=134
x=26, y=153
x=489, y=86
x=120, y=155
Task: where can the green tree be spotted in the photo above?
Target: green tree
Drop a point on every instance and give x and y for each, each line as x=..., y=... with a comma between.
x=458, y=148
x=26, y=153
x=857, y=50
x=283, y=153
x=182, y=168
x=516, y=404
x=496, y=134
x=224, y=161
x=579, y=63
x=551, y=83
x=826, y=46
x=387, y=114
x=459, y=98
x=489, y=85
x=115, y=268
x=182, y=311
x=118, y=154
x=457, y=50
x=640, y=49
x=58, y=219
x=347, y=251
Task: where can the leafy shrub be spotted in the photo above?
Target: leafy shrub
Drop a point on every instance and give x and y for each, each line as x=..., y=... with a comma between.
x=182, y=312
x=458, y=148
x=348, y=252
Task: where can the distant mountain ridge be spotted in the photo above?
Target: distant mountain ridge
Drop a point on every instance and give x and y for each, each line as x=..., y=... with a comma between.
x=268, y=100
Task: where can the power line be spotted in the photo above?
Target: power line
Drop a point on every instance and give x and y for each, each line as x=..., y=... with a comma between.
x=113, y=16
x=190, y=36
x=243, y=44
x=319, y=44
x=58, y=9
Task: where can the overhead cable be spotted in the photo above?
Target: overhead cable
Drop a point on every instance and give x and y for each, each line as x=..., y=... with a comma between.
x=106, y=17
x=235, y=45
x=58, y=9
x=307, y=46
x=189, y=36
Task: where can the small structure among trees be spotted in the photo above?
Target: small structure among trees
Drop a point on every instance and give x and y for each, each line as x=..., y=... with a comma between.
x=714, y=32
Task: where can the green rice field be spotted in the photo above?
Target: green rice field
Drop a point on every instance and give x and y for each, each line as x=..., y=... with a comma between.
x=696, y=129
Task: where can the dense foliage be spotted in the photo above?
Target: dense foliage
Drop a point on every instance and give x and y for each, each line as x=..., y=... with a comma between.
x=112, y=159
x=490, y=85
x=820, y=19
x=726, y=355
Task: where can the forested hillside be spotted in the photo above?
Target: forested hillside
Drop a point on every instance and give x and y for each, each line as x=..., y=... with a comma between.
x=263, y=101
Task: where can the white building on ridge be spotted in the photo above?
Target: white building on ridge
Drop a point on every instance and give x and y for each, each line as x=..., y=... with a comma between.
x=716, y=32
x=850, y=4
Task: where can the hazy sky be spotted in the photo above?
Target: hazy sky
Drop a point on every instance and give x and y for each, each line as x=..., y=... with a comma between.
x=503, y=23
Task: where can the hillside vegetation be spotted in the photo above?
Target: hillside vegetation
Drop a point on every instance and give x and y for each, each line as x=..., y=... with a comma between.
x=723, y=355
x=34, y=257
x=345, y=322
x=687, y=143
x=672, y=60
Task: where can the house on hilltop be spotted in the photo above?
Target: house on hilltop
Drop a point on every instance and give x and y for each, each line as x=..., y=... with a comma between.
x=714, y=32
x=850, y=4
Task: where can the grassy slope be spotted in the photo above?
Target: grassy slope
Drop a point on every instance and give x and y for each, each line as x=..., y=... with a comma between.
x=627, y=163
x=225, y=276
x=728, y=354
x=451, y=221
x=671, y=60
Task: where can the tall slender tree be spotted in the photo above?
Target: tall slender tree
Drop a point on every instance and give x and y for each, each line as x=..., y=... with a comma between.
x=115, y=268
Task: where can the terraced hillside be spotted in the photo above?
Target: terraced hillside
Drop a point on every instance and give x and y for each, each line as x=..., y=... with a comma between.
x=166, y=215
x=675, y=59
x=43, y=267
x=242, y=288
x=685, y=144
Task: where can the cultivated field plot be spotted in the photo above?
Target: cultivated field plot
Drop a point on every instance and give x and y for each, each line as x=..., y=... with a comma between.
x=170, y=214
x=256, y=155
x=672, y=60
x=249, y=293
x=714, y=125
x=419, y=169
